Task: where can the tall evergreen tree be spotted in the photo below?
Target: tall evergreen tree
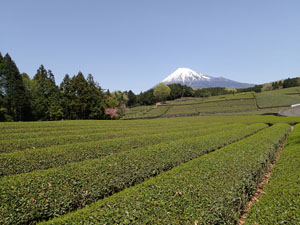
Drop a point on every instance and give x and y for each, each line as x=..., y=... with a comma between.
x=40, y=94
x=290, y=82
x=22, y=98
x=27, y=107
x=67, y=97
x=1, y=83
x=95, y=106
x=55, y=109
x=147, y=98
x=2, y=108
x=46, y=95
x=131, y=98
x=80, y=91
x=12, y=88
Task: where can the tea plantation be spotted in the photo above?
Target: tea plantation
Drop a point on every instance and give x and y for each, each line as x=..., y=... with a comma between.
x=183, y=170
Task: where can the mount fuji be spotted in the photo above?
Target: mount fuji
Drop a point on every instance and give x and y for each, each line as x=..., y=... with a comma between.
x=186, y=76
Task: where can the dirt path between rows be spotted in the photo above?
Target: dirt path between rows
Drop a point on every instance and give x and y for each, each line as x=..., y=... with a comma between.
x=261, y=185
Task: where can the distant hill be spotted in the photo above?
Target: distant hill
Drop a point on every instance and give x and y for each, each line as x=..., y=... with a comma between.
x=186, y=76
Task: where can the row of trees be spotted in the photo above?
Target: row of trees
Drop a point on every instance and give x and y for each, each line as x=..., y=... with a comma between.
x=177, y=91
x=256, y=88
x=163, y=92
x=39, y=98
x=213, y=91
x=290, y=82
x=287, y=83
x=77, y=97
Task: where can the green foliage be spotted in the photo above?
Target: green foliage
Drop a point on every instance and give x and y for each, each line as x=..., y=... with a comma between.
x=96, y=100
x=46, y=96
x=82, y=98
x=119, y=100
x=28, y=85
x=182, y=110
x=131, y=98
x=195, y=106
x=146, y=98
x=67, y=97
x=275, y=98
x=52, y=192
x=155, y=112
x=291, y=82
x=282, y=84
x=277, y=85
x=176, y=91
x=256, y=88
x=280, y=202
x=40, y=98
x=213, y=107
x=12, y=90
x=211, y=189
x=42, y=142
x=53, y=156
x=179, y=91
x=137, y=111
x=17, y=142
x=80, y=92
x=215, y=91
x=161, y=91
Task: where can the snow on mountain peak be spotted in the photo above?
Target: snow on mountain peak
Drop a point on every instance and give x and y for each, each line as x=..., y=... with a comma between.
x=185, y=75
x=191, y=78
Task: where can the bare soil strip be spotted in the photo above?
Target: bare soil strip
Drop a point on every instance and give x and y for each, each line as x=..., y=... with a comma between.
x=261, y=185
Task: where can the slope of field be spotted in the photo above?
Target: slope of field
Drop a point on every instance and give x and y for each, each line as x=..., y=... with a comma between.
x=280, y=204
x=278, y=98
x=287, y=91
x=260, y=103
x=45, y=158
x=211, y=189
x=82, y=183
x=192, y=100
x=195, y=106
x=48, y=169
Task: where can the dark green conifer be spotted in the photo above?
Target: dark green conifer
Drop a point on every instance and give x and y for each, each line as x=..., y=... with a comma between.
x=12, y=89
x=47, y=97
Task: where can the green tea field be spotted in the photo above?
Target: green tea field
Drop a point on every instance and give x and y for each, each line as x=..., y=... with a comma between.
x=267, y=102
x=183, y=170
x=150, y=112
x=243, y=102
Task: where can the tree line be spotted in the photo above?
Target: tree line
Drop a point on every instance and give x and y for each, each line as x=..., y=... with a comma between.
x=286, y=83
x=290, y=82
x=77, y=97
x=80, y=97
x=179, y=91
x=39, y=98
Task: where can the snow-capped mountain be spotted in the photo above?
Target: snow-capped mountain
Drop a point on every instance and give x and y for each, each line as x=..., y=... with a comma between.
x=186, y=76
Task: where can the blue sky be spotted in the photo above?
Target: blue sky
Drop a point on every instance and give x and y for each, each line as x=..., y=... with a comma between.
x=134, y=44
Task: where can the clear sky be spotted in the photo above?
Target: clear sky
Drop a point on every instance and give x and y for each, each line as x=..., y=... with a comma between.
x=134, y=44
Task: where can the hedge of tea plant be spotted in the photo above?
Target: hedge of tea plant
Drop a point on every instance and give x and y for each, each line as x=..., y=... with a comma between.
x=7, y=146
x=280, y=203
x=50, y=126
x=30, y=197
x=19, y=132
x=56, y=133
x=45, y=158
x=211, y=189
